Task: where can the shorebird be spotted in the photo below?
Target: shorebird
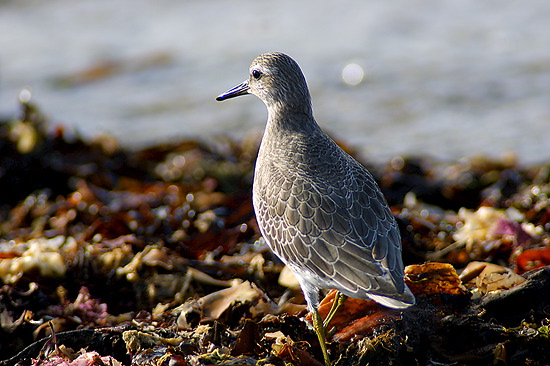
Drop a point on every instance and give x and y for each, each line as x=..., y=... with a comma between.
x=319, y=210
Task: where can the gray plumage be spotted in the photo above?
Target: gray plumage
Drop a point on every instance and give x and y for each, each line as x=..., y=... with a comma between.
x=318, y=209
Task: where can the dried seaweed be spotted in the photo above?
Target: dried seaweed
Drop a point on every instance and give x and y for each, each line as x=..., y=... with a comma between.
x=154, y=257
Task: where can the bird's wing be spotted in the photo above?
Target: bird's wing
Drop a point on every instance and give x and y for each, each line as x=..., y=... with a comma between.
x=341, y=230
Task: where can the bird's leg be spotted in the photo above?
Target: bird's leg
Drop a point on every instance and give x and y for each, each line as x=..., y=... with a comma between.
x=320, y=330
x=339, y=300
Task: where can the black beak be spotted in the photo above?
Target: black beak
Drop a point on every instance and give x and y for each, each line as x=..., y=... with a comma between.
x=240, y=89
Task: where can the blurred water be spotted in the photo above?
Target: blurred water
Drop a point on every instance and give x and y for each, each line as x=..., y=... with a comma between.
x=442, y=78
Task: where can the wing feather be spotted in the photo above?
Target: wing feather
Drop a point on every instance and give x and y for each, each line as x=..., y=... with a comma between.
x=341, y=233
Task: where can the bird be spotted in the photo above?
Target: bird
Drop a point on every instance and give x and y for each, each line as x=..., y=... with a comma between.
x=318, y=209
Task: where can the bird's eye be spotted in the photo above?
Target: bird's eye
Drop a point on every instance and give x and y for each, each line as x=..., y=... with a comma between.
x=256, y=74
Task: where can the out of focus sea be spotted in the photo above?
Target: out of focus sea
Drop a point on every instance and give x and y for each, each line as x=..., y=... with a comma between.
x=445, y=79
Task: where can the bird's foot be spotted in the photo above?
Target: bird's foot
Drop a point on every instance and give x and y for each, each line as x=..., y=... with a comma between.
x=339, y=300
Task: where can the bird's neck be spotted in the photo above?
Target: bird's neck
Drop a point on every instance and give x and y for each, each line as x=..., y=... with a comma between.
x=290, y=116
x=290, y=121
